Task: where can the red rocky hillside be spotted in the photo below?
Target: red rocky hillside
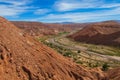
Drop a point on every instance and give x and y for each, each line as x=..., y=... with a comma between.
x=23, y=58
x=43, y=29
x=35, y=28
x=105, y=33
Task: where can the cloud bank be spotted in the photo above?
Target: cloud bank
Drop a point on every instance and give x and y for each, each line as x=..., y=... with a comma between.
x=61, y=10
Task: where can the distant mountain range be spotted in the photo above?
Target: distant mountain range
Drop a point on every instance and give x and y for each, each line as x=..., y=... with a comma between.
x=67, y=23
x=87, y=22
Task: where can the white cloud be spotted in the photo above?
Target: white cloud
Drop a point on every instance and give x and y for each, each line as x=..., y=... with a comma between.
x=16, y=7
x=79, y=16
x=65, y=5
x=110, y=5
x=41, y=11
x=13, y=7
x=16, y=2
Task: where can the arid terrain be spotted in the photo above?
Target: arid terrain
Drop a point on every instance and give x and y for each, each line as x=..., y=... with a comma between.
x=22, y=57
x=104, y=33
x=59, y=39
x=43, y=29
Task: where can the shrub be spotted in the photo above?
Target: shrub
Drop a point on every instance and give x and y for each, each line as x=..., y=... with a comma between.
x=78, y=51
x=79, y=62
x=68, y=54
x=105, y=67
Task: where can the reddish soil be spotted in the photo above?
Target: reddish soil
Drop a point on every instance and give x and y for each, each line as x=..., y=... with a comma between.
x=41, y=29
x=114, y=74
x=35, y=28
x=105, y=33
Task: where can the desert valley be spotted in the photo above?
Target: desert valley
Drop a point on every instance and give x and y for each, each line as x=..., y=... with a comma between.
x=59, y=39
x=25, y=56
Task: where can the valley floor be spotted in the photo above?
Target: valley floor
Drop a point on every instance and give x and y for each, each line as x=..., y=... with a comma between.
x=86, y=54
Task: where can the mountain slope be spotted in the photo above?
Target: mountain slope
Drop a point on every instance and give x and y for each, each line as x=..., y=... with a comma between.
x=105, y=33
x=41, y=29
x=23, y=58
x=34, y=28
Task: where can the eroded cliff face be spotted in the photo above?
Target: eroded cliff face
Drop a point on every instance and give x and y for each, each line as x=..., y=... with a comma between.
x=23, y=58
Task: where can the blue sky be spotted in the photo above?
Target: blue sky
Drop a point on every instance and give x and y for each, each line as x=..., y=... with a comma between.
x=52, y=11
